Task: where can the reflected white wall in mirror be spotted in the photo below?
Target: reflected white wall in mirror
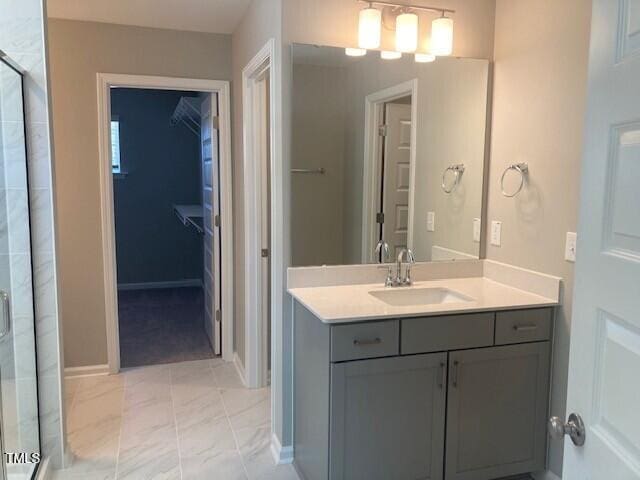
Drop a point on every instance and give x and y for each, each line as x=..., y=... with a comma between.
x=375, y=137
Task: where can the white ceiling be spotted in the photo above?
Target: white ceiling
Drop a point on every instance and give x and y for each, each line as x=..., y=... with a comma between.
x=214, y=16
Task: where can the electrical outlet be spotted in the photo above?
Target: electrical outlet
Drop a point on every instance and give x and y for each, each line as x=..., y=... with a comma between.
x=570, y=247
x=431, y=221
x=496, y=233
x=477, y=228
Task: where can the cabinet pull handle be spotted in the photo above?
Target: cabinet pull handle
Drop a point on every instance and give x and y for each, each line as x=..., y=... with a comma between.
x=366, y=343
x=454, y=373
x=441, y=375
x=6, y=314
x=525, y=328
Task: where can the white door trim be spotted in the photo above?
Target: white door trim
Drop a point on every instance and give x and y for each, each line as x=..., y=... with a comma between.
x=105, y=81
x=255, y=330
x=374, y=106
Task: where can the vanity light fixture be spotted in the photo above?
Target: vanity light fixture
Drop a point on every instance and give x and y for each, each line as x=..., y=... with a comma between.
x=355, y=52
x=369, y=28
x=371, y=21
x=442, y=36
x=390, y=55
x=407, y=32
x=424, y=57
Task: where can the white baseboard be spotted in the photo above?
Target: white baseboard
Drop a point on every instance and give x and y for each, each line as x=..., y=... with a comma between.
x=281, y=455
x=88, y=371
x=44, y=472
x=239, y=368
x=189, y=282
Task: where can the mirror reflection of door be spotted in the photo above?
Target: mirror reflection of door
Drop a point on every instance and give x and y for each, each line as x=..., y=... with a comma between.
x=396, y=168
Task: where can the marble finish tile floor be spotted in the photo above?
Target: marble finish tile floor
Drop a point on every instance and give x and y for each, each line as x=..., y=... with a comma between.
x=181, y=421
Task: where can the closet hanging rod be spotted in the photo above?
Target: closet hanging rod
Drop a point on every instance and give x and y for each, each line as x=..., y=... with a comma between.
x=319, y=171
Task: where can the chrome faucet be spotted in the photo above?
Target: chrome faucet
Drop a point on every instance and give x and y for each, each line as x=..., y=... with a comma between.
x=406, y=280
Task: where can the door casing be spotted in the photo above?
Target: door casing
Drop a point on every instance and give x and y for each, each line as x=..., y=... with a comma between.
x=106, y=81
x=374, y=115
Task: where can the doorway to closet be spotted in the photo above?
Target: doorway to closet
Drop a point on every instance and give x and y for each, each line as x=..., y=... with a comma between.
x=166, y=199
x=166, y=212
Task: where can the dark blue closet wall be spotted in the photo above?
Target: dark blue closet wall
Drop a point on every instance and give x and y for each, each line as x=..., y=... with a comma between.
x=162, y=165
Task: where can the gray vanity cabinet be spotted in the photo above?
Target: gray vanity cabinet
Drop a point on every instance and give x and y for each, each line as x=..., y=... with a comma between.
x=387, y=418
x=496, y=411
x=382, y=400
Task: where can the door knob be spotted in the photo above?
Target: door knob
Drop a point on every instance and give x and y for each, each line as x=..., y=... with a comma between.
x=574, y=428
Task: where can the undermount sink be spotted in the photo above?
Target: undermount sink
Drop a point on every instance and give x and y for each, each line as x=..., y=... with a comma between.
x=406, y=297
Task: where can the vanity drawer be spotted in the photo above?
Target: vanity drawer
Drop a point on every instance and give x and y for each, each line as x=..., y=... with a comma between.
x=451, y=332
x=522, y=326
x=364, y=340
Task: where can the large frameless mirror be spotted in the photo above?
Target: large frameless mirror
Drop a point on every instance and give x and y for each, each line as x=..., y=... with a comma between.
x=386, y=153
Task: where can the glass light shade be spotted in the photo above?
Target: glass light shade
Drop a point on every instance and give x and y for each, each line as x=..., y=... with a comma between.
x=389, y=55
x=369, y=28
x=355, y=52
x=442, y=36
x=407, y=32
x=425, y=57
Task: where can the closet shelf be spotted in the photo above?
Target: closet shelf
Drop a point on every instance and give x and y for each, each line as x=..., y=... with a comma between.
x=190, y=215
x=187, y=112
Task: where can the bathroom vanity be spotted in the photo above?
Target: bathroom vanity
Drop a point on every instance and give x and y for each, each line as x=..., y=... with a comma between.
x=446, y=379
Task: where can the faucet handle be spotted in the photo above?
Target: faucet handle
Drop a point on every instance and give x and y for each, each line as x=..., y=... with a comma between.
x=383, y=247
x=388, y=282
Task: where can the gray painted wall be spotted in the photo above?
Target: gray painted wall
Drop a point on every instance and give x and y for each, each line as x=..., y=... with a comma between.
x=162, y=165
x=539, y=101
x=100, y=47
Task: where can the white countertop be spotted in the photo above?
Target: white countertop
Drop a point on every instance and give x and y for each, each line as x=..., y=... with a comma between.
x=349, y=303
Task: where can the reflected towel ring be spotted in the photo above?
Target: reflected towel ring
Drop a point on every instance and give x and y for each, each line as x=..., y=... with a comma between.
x=457, y=170
x=523, y=170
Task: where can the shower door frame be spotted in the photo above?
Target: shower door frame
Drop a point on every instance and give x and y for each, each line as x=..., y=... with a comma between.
x=41, y=468
x=106, y=81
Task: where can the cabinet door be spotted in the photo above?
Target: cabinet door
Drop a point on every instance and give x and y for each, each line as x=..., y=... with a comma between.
x=496, y=411
x=387, y=418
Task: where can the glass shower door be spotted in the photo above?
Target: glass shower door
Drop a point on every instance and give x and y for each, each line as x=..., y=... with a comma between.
x=19, y=427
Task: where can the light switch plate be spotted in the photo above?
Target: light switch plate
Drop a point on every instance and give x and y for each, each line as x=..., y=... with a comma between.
x=570, y=247
x=431, y=221
x=477, y=228
x=496, y=233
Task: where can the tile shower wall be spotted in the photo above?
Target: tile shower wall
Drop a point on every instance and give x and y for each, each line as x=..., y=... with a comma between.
x=22, y=34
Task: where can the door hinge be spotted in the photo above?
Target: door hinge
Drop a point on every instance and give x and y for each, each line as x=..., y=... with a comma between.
x=265, y=253
x=218, y=315
x=380, y=218
x=383, y=130
x=216, y=122
x=216, y=220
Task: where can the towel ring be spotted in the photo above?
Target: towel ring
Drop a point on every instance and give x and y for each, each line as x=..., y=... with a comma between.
x=457, y=170
x=523, y=170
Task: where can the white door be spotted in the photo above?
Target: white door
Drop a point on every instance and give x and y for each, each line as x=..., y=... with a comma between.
x=604, y=366
x=396, y=168
x=211, y=211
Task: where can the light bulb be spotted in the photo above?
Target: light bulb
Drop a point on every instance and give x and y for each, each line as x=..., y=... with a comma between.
x=355, y=52
x=442, y=36
x=389, y=55
x=407, y=32
x=425, y=57
x=369, y=28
